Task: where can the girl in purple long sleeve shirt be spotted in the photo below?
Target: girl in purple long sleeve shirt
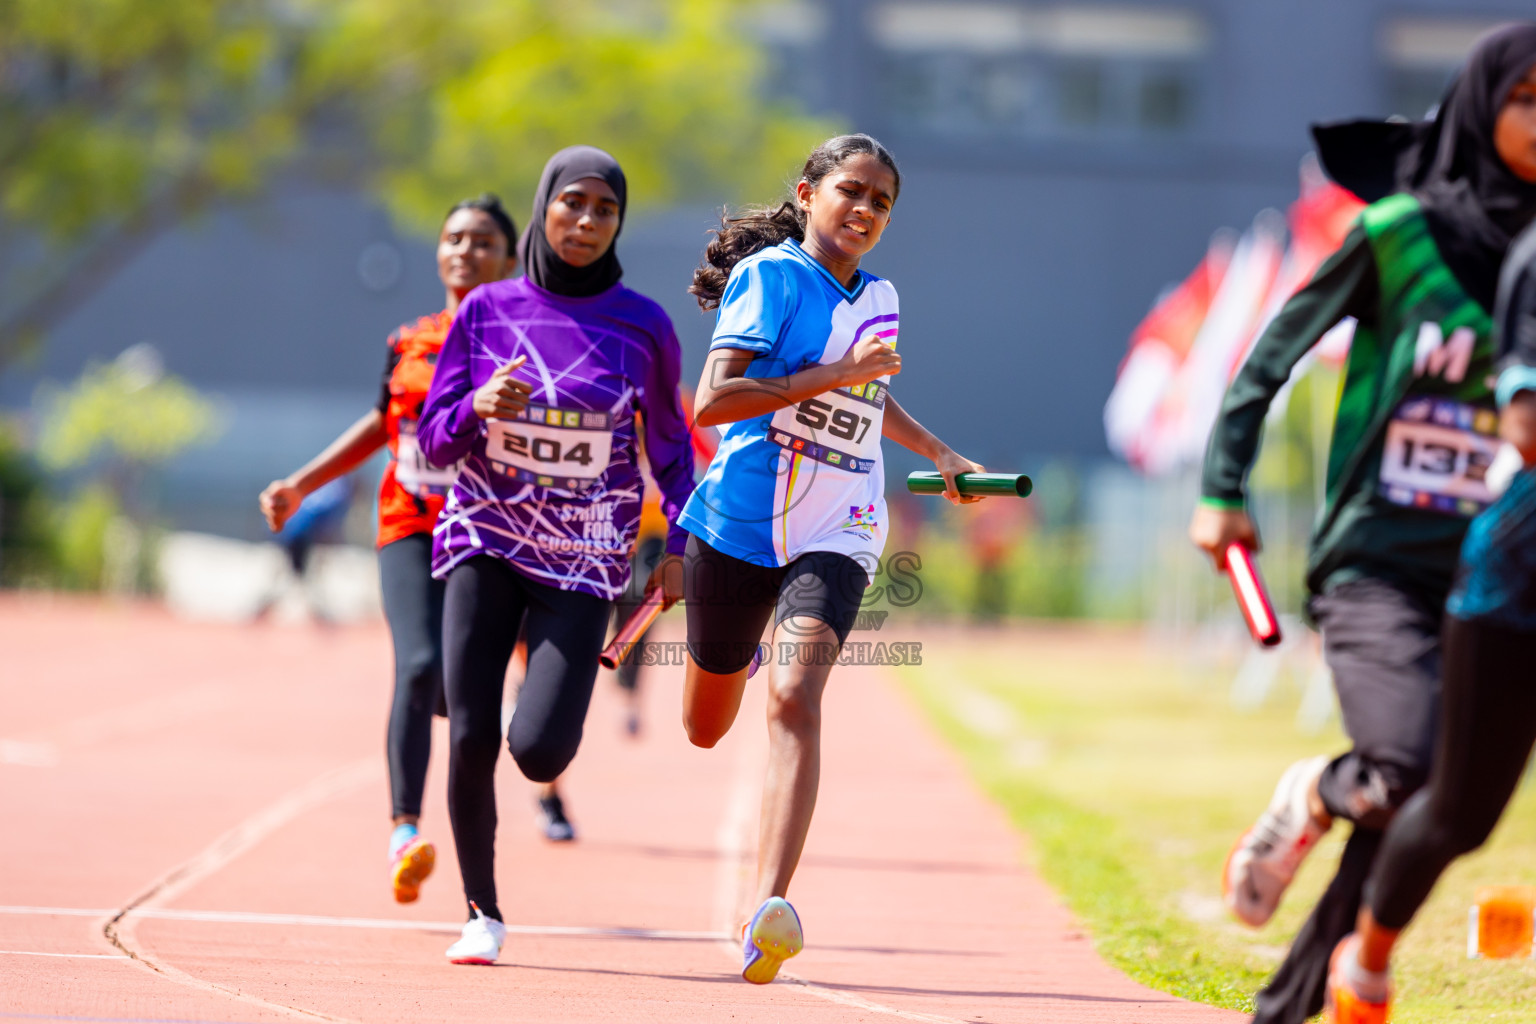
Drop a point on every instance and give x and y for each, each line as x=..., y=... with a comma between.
x=537, y=389
x=555, y=491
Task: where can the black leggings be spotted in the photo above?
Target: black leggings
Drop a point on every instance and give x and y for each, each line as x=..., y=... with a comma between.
x=486, y=604
x=413, y=605
x=1382, y=644
x=1486, y=734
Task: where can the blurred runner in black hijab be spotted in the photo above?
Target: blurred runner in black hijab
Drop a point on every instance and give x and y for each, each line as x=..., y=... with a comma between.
x=1489, y=636
x=1474, y=203
x=1411, y=442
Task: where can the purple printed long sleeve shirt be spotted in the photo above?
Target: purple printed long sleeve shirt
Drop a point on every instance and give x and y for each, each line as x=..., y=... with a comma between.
x=556, y=493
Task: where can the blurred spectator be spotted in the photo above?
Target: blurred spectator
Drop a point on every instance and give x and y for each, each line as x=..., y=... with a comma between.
x=319, y=519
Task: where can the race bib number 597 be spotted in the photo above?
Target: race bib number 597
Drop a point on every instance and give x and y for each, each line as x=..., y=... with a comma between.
x=551, y=447
x=840, y=428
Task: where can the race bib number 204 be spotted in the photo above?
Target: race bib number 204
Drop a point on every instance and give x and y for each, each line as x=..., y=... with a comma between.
x=566, y=449
x=1437, y=454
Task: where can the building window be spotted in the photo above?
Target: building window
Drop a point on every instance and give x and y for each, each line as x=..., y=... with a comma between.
x=1421, y=55
x=1164, y=100
x=1080, y=93
x=791, y=31
x=998, y=68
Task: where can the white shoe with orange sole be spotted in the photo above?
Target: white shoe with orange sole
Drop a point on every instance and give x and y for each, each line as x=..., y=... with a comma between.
x=1355, y=995
x=1264, y=859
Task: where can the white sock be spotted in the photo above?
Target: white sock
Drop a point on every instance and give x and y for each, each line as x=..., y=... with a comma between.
x=1372, y=986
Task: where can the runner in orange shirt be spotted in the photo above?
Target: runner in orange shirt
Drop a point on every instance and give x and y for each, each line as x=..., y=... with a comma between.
x=474, y=247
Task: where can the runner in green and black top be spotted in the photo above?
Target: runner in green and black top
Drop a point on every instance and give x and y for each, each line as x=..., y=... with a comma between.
x=1414, y=435
x=1397, y=502
x=1490, y=647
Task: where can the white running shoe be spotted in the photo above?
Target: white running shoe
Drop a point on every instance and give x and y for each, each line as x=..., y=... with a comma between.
x=481, y=942
x=1265, y=858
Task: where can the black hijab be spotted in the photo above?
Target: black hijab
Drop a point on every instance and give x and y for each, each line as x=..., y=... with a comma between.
x=540, y=263
x=1474, y=204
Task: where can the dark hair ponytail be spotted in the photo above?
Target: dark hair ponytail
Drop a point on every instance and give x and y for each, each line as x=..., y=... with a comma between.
x=489, y=204
x=759, y=227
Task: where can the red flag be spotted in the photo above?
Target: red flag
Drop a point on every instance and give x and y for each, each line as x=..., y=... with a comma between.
x=1158, y=347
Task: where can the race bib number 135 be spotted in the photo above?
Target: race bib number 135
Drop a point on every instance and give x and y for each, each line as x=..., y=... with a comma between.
x=562, y=448
x=1437, y=454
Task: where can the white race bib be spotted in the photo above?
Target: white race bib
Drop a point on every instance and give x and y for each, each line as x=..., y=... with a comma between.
x=1437, y=455
x=562, y=448
x=838, y=428
x=414, y=472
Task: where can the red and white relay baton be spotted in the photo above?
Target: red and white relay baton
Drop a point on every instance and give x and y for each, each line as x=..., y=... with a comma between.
x=1252, y=598
x=633, y=629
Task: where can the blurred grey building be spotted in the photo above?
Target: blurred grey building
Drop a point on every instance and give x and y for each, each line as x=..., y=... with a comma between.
x=1062, y=162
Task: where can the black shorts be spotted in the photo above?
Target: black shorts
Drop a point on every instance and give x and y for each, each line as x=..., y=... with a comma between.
x=1382, y=643
x=728, y=601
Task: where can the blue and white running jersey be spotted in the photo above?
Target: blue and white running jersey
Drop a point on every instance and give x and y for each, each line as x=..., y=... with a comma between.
x=808, y=477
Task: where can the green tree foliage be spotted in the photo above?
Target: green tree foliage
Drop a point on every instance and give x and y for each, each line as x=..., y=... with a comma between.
x=119, y=118
x=673, y=88
x=113, y=424
x=125, y=412
x=107, y=102
x=82, y=533
x=27, y=526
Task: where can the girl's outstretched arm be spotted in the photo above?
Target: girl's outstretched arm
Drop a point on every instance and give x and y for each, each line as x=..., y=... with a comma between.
x=900, y=427
x=357, y=443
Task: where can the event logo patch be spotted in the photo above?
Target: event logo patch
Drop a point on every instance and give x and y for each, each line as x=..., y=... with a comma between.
x=861, y=518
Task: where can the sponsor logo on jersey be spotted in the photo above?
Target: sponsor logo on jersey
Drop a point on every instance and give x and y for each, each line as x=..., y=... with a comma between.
x=861, y=518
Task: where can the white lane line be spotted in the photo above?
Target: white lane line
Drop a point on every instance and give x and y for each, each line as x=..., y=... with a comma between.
x=56, y=911
x=733, y=881
x=376, y=923
x=833, y=995
x=67, y=956
x=119, y=928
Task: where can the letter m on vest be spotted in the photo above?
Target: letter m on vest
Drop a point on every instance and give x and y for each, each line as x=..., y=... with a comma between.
x=1438, y=358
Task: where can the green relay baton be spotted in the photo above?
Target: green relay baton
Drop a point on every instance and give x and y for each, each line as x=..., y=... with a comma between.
x=978, y=484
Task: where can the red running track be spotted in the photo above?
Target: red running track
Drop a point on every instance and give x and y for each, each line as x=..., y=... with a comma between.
x=214, y=798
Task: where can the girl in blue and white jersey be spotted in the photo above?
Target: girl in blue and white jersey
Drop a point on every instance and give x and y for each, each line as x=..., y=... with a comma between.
x=790, y=519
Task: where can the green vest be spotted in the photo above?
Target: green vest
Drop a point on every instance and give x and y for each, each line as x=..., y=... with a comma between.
x=1416, y=419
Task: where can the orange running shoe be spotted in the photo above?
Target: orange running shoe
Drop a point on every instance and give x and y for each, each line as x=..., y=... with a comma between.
x=413, y=863
x=1356, y=996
